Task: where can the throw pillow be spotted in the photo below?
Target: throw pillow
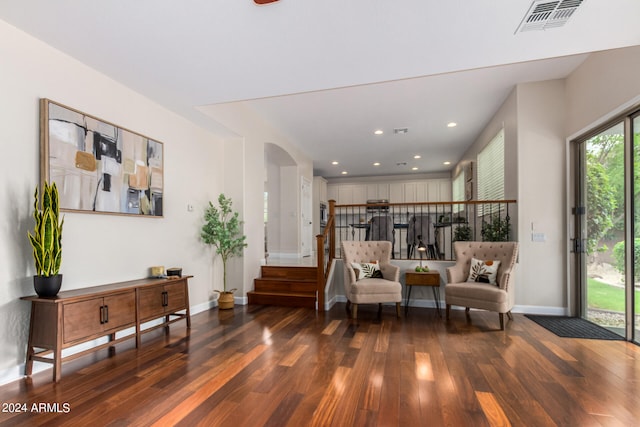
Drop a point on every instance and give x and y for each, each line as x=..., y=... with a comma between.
x=483, y=271
x=367, y=270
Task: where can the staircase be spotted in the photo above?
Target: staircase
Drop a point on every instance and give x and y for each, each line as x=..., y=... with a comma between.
x=288, y=286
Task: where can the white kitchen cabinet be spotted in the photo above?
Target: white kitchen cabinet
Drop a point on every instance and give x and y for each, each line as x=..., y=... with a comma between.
x=396, y=192
x=429, y=190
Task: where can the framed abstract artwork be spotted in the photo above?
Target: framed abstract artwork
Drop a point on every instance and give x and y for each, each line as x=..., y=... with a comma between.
x=100, y=167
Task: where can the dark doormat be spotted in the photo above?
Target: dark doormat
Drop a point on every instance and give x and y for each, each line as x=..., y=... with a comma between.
x=574, y=327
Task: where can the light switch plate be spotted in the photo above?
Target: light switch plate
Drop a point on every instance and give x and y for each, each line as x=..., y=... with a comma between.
x=538, y=237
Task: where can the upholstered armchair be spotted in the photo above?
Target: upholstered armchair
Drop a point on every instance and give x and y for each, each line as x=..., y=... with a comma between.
x=498, y=297
x=363, y=288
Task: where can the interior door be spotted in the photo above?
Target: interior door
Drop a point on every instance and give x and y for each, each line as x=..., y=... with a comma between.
x=306, y=217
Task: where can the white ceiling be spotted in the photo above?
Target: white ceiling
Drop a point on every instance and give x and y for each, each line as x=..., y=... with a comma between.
x=327, y=73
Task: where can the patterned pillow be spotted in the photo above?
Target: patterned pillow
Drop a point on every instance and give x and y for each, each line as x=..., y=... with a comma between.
x=483, y=271
x=367, y=270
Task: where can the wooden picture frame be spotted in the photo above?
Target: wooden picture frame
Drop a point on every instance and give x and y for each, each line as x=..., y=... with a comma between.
x=468, y=172
x=100, y=167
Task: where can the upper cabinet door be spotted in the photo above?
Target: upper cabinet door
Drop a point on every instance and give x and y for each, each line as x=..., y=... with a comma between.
x=445, y=190
x=396, y=192
x=383, y=191
x=410, y=192
x=359, y=194
x=332, y=192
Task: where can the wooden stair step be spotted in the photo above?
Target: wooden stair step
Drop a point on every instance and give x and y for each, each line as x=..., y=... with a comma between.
x=284, y=285
x=289, y=299
x=289, y=272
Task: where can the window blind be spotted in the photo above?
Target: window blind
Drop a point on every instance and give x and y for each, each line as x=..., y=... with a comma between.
x=491, y=174
x=457, y=191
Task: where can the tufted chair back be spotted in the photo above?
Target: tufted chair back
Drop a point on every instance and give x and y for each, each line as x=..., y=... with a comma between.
x=505, y=252
x=368, y=251
x=499, y=297
x=370, y=290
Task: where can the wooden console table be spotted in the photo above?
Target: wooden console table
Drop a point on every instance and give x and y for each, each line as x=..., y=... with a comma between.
x=80, y=315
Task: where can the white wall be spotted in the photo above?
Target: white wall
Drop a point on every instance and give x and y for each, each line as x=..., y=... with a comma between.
x=532, y=117
x=255, y=133
x=289, y=211
x=541, y=204
x=98, y=249
x=275, y=216
x=605, y=83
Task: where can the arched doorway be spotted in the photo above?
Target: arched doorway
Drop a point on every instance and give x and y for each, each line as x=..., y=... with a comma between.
x=281, y=195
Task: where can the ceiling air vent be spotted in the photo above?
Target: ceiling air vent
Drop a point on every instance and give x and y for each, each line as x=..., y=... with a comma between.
x=400, y=131
x=548, y=14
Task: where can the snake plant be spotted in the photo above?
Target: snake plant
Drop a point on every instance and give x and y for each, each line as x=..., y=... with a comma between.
x=46, y=239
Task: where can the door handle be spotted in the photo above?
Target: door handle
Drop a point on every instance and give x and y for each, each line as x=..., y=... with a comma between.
x=165, y=298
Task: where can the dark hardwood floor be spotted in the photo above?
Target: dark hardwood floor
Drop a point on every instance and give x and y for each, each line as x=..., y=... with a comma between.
x=279, y=366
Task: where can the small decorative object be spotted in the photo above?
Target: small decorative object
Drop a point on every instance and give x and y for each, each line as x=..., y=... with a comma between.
x=157, y=271
x=483, y=271
x=421, y=250
x=222, y=230
x=174, y=272
x=46, y=241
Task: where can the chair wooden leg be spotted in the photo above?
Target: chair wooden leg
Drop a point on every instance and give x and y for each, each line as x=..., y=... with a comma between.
x=501, y=321
x=447, y=311
x=398, y=309
x=466, y=309
x=354, y=311
x=510, y=315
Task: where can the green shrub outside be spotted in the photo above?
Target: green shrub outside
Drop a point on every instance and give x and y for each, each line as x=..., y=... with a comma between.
x=618, y=255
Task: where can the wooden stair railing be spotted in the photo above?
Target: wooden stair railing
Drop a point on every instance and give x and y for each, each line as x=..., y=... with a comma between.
x=324, y=267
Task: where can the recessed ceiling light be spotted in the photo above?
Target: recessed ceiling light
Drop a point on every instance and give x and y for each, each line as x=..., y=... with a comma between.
x=452, y=124
x=334, y=163
x=376, y=164
x=417, y=156
x=415, y=168
x=447, y=163
x=344, y=172
x=379, y=132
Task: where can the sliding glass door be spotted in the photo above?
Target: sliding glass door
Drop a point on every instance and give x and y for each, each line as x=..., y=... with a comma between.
x=607, y=215
x=634, y=292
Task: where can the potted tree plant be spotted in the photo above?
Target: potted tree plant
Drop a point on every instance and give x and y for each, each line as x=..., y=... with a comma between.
x=46, y=241
x=222, y=230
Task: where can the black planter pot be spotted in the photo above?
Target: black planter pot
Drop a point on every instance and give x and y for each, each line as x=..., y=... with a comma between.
x=47, y=286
